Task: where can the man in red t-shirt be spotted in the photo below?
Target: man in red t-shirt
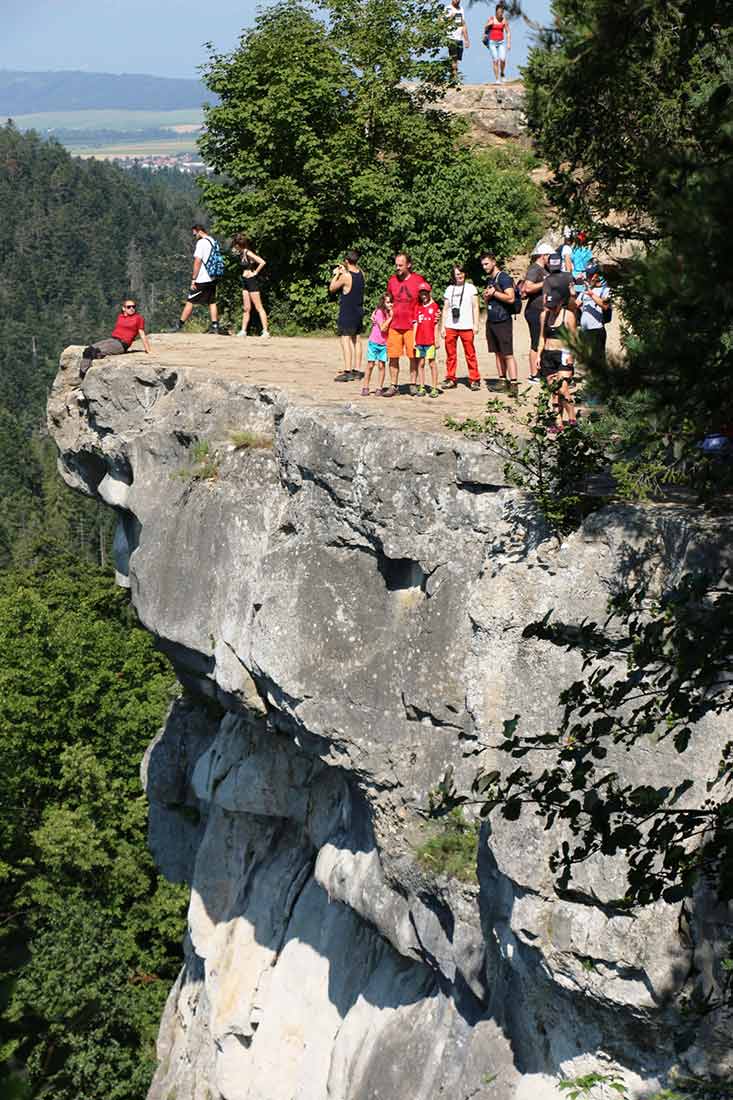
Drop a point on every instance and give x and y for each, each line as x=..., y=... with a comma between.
x=403, y=287
x=128, y=325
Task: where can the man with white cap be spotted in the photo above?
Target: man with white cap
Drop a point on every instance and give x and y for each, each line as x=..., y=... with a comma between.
x=532, y=292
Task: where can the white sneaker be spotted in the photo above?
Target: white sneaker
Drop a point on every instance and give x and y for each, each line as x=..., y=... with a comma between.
x=242, y=332
x=265, y=335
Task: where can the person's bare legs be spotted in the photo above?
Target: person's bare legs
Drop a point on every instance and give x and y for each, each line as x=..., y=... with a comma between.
x=186, y=312
x=413, y=371
x=368, y=373
x=213, y=313
x=421, y=372
x=394, y=370
x=567, y=405
x=357, y=353
x=346, y=352
x=496, y=70
x=500, y=367
x=510, y=367
x=246, y=311
x=381, y=369
x=257, y=303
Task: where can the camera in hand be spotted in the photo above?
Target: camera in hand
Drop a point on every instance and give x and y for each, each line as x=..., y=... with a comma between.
x=455, y=312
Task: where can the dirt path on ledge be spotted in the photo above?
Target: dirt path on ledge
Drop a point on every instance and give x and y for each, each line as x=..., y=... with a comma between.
x=305, y=367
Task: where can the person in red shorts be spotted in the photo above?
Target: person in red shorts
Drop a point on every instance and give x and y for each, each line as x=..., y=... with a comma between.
x=128, y=326
x=403, y=286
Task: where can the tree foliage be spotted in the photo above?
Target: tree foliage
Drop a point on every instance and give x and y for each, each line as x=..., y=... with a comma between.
x=631, y=106
x=346, y=146
x=90, y=933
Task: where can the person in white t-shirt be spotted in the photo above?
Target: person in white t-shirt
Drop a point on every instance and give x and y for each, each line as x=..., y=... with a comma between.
x=203, y=286
x=460, y=322
x=457, y=33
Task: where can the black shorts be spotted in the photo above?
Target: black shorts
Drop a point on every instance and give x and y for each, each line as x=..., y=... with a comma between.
x=250, y=283
x=354, y=328
x=551, y=363
x=203, y=295
x=533, y=318
x=500, y=337
x=455, y=51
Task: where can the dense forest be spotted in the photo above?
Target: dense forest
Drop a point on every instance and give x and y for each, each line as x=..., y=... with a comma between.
x=78, y=236
x=89, y=934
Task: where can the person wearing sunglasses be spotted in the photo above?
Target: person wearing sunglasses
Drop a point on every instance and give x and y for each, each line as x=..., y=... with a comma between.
x=128, y=326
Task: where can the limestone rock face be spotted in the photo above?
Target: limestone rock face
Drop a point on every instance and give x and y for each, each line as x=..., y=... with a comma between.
x=344, y=605
x=495, y=112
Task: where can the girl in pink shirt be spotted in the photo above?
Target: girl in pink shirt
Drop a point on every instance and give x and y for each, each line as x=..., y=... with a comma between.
x=377, y=343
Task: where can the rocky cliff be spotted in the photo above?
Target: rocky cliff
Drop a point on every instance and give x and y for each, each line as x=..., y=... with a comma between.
x=343, y=598
x=495, y=112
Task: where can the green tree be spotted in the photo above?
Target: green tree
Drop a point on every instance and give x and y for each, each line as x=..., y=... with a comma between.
x=90, y=936
x=346, y=146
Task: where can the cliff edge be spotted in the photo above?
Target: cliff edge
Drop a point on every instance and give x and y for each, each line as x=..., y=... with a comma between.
x=343, y=598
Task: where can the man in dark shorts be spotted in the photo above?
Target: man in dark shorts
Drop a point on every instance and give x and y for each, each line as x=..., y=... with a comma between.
x=128, y=326
x=348, y=280
x=203, y=285
x=499, y=296
x=457, y=34
x=532, y=291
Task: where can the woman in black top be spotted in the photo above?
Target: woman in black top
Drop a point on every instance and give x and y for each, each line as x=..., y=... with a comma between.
x=532, y=293
x=252, y=265
x=348, y=279
x=557, y=361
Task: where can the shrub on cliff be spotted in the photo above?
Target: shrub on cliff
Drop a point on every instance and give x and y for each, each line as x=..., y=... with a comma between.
x=342, y=144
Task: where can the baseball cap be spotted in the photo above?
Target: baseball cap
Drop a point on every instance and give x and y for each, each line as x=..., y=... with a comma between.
x=542, y=248
x=424, y=286
x=554, y=262
x=592, y=269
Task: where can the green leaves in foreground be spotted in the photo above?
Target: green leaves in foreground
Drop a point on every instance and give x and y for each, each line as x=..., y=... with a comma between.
x=558, y=471
x=90, y=940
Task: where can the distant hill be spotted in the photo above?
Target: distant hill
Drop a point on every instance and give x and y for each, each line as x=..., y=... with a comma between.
x=29, y=93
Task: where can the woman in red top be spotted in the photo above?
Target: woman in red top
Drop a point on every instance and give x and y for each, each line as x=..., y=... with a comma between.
x=128, y=326
x=498, y=38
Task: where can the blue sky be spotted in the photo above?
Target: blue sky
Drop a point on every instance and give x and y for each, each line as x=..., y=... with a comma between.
x=166, y=37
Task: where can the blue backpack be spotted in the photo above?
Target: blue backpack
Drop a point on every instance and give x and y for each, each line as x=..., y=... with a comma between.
x=215, y=263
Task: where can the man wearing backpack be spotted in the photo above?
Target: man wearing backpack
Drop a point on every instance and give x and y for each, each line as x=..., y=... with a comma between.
x=500, y=297
x=208, y=267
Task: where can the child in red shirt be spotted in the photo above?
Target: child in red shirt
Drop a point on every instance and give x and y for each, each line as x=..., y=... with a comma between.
x=426, y=320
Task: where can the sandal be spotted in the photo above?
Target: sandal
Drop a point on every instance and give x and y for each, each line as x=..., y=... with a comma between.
x=346, y=376
x=392, y=391
x=364, y=392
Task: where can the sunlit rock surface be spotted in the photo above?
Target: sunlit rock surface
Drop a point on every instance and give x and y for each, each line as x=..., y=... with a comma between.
x=344, y=604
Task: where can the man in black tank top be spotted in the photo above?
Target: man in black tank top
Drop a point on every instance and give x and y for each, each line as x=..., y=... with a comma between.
x=348, y=280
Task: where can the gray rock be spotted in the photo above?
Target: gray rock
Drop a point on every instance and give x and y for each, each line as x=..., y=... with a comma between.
x=350, y=605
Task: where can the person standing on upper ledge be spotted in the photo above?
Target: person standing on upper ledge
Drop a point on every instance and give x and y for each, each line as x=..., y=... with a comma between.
x=208, y=267
x=458, y=34
x=498, y=40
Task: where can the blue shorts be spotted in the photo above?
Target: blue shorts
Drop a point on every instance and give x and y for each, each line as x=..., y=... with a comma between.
x=425, y=351
x=497, y=51
x=376, y=353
